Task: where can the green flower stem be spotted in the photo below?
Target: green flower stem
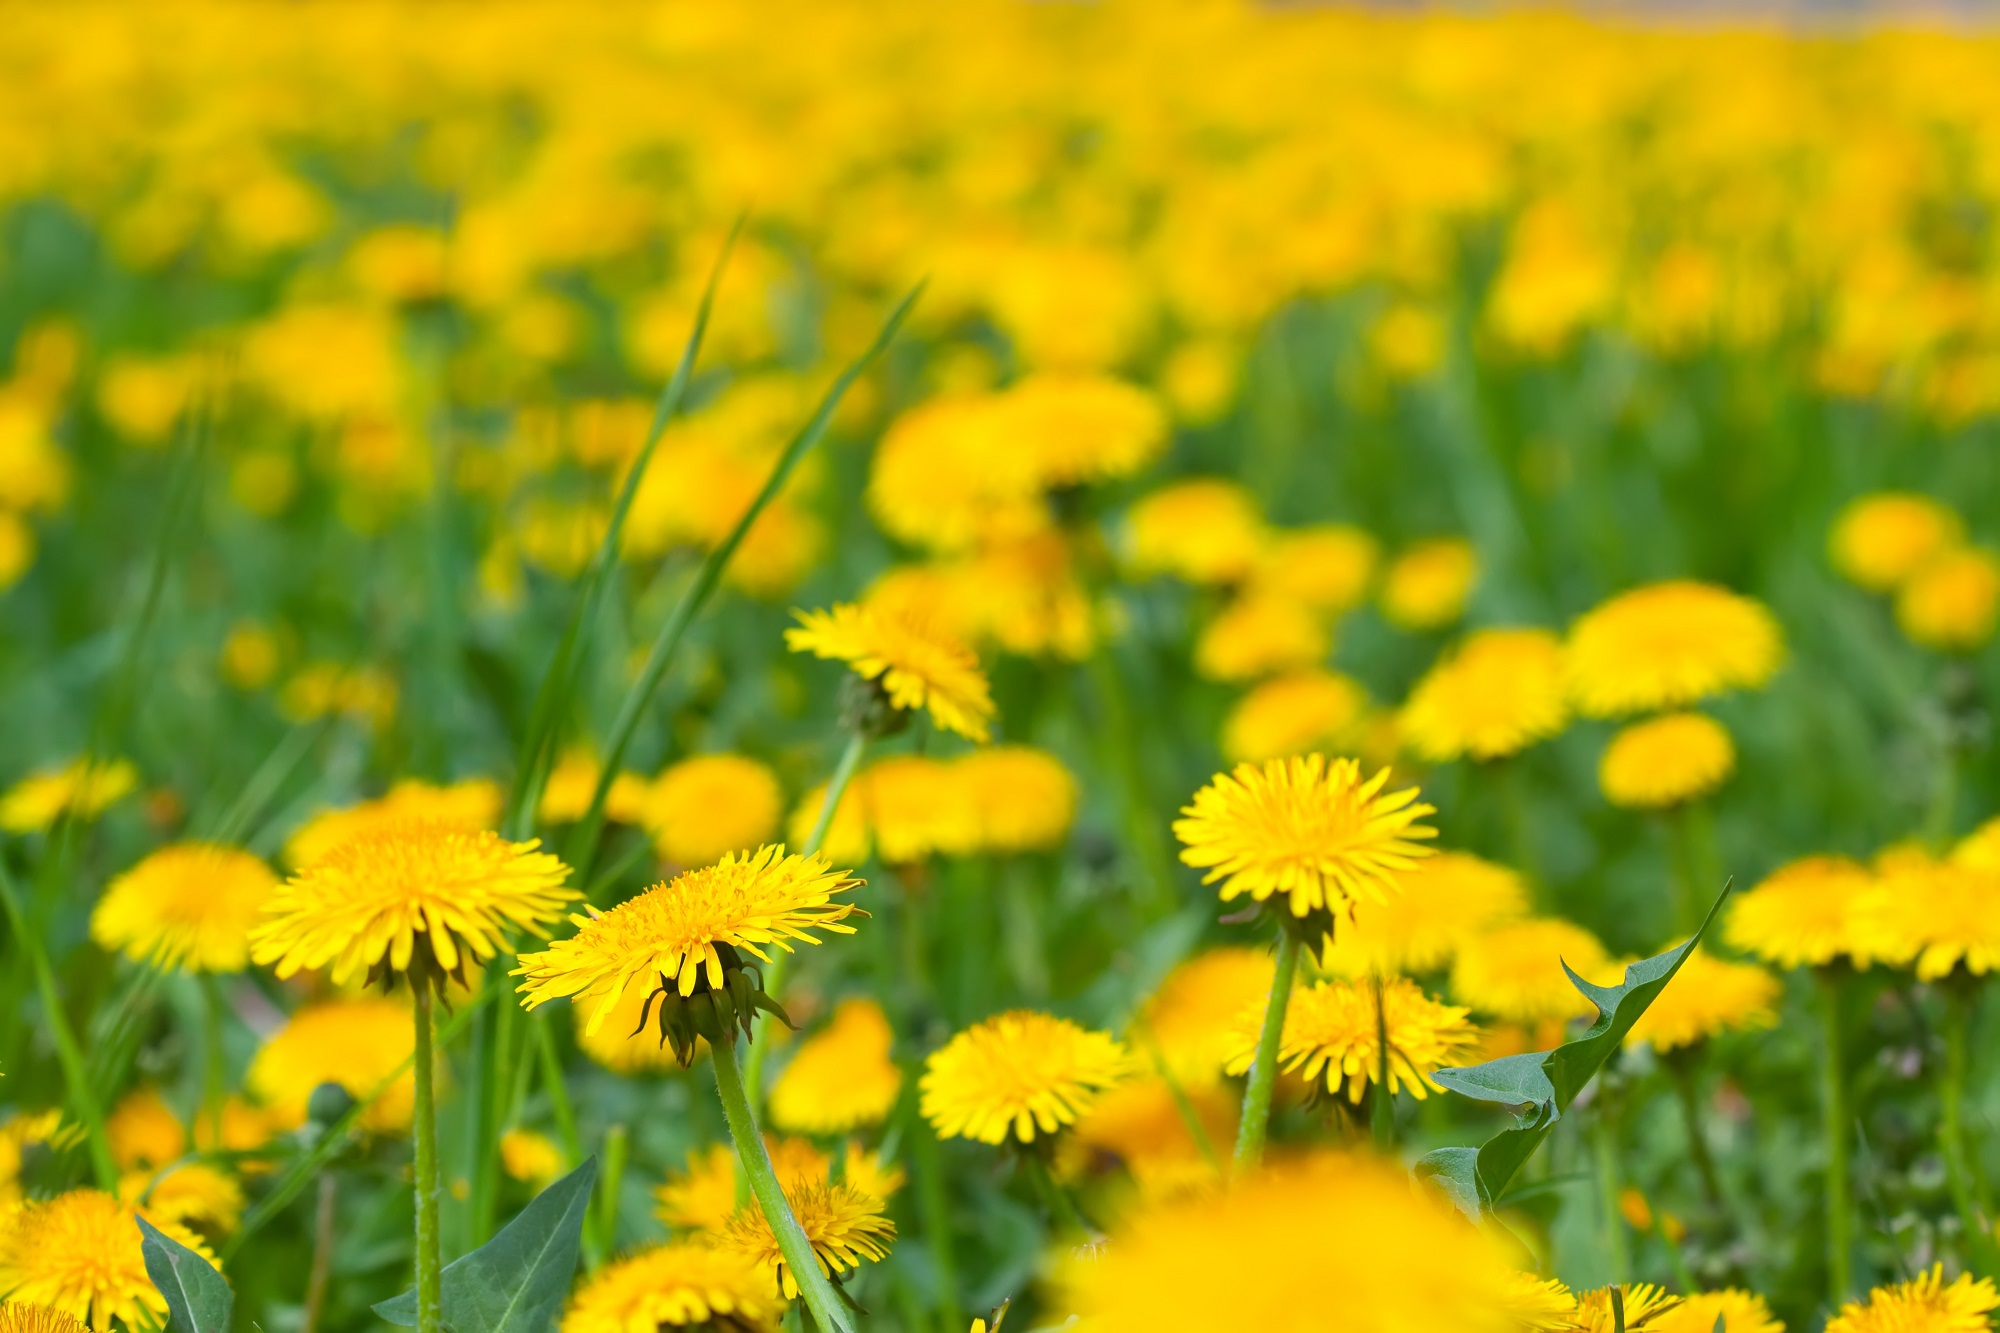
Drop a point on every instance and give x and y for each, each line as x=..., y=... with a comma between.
x=1696, y=869
x=933, y=1203
x=1121, y=743
x=215, y=1066
x=814, y=1288
x=430, y=1259
x=1063, y=1212
x=1835, y=1127
x=1520, y=826
x=1682, y=1072
x=1382, y=1106
x=1604, y=1155
x=1960, y=998
x=1264, y=1067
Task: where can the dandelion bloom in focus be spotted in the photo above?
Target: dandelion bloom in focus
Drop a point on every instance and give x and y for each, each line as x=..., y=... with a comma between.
x=1925, y=1304
x=703, y=808
x=1024, y=799
x=1515, y=971
x=19, y=1317
x=1951, y=603
x=1428, y=585
x=917, y=666
x=1292, y=714
x=80, y=789
x=841, y=1078
x=1709, y=996
x=1804, y=913
x=419, y=897
x=1333, y=1033
x=1448, y=901
x=1498, y=693
x=473, y=804
x=1259, y=633
x=1667, y=645
x=358, y=1044
x=1270, y=1251
x=1191, y=1019
x=1018, y=1074
x=1880, y=540
x=79, y=1253
x=1644, y=1304
x=1535, y=1304
x=677, y=1285
x=845, y=1224
x=1935, y=917
x=1666, y=761
x=1732, y=1308
x=673, y=931
x=191, y=905
x=1206, y=531
x=1309, y=830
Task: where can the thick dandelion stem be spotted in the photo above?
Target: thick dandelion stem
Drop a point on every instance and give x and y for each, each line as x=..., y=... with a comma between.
x=430, y=1259
x=1951, y=1127
x=814, y=1288
x=1264, y=1068
x=1696, y=869
x=1835, y=1127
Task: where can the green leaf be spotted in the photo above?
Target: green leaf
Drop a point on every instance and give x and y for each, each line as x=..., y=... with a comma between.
x=198, y=1299
x=516, y=1282
x=1541, y=1087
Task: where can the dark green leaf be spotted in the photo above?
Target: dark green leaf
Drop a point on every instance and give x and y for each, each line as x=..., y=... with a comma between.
x=198, y=1299
x=516, y=1282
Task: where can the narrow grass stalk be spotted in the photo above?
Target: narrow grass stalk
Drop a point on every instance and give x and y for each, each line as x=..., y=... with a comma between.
x=322, y=1254
x=1960, y=999
x=1834, y=1127
x=814, y=1288
x=1142, y=828
x=1604, y=1156
x=1063, y=1212
x=1382, y=1110
x=1264, y=1066
x=616, y=1146
x=430, y=1258
x=215, y=1064
x=1682, y=1074
x=1696, y=869
x=1183, y=1104
x=935, y=1206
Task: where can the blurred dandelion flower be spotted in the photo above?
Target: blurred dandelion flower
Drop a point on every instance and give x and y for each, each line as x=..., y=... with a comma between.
x=681, y=1284
x=1140, y=1126
x=1333, y=1032
x=841, y=1078
x=1082, y=428
x=193, y=1194
x=916, y=666
x=144, y=1131
x=1710, y=996
x=1023, y=799
x=474, y=805
x=1880, y=540
x=1732, y=1309
x=1925, y=1304
x=1326, y=567
x=530, y=1157
x=573, y=781
x=1448, y=901
x=191, y=905
x=1666, y=761
x=357, y=1044
x=1259, y=633
x=1206, y=531
x=1515, y=971
x=79, y=1253
x=19, y=1132
x=1806, y=912
x=1667, y=645
x=1934, y=916
x=702, y=808
x=1951, y=603
x=1498, y=693
x=1018, y=1073
x=844, y=1223
x=917, y=807
x=1293, y=714
x=1191, y=1019
x=81, y=789
x=1428, y=585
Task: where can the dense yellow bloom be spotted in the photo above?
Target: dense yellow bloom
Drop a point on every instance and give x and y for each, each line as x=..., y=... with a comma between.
x=1327, y=567
x=841, y=1078
x=1498, y=693
x=1739, y=1312
x=1190, y=1022
x=1292, y=714
x=144, y=1131
x=363, y=906
x=1952, y=602
x=1268, y=1251
x=190, y=905
x=1708, y=997
x=1428, y=585
x=1259, y=633
x=703, y=808
x=572, y=782
x=917, y=808
x=1666, y=760
x=677, y=1285
x=1925, y=1304
x=474, y=805
x=24, y=1318
x=672, y=932
x=1880, y=540
x=1333, y=1032
x=79, y=1253
x=1933, y=916
x=1804, y=912
x=947, y=477
x=358, y=1044
x=1304, y=828
x=1515, y=971
x=845, y=1224
x=1205, y=531
x=1535, y=1304
x=80, y=789
x=530, y=1157
x=1645, y=1306
x=1667, y=645
x=1082, y=428
x=916, y=665
x=1980, y=848
x=1018, y=1074
x=1448, y=901
x=1024, y=799
x=193, y=1194
x=702, y=1197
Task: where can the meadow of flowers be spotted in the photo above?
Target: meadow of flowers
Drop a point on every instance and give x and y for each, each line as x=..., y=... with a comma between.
x=888, y=666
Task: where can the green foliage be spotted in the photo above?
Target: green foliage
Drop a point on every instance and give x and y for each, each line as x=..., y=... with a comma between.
x=198, y=1298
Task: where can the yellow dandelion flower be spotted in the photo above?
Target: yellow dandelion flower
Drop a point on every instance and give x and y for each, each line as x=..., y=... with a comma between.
x=1735, y=1310
x=1293, y=714
x=1667, y=645
x=370, y=902
x=18, y=1133
x=947, y=477
x=622, y=1043
x=1666, y=761
x=20, y=1317
x=1140, y=1127
x=1206, y=531
x=674, y=932
x=1190, y=1021
x=250, y=655
x=1880, y=540
x=355, y=1043
x=703, y=808
x=244, y=1128
x=701, y=1196
x=915, y=665
x=1447, y=901
x=1535, y=1304
x=1018, y=1073
x=1933, y=916
x=1709, y=996
x=1428, y=585
x=1979, y=848
x=1326, y=568
x=1644, y=1304
x=1309, y=830
x=676, y=1285
x=573, y=781
x=1925, y=1304
x=1498, y=693
x=1514, y=972
x=193, y=1194
x=841, y=1078
x=1257, y=634
x=917, y=807
x=79, y=1253
x=1265, y=1251
x=530, y=1157
x=1024, y=799
x=144, y=1131
x=1952, y=602
x=1331, y=1032
x=848, y=840
x=844, y=1223
x=1804, y=913
x=1082, y=428
x=80, y=789
x=474, y=804
x=191, y=905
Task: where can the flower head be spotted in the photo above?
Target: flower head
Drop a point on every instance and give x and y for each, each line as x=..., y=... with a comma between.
x=1427, y=586
x=1023, y=799
x=1191, y=1019
x=144, y=1131
x=1925, y=1304
x=703, y=808
x=916, y=665
x=1205, y=531
x=80, y=789
x=1326, y=567
x=531, y=1157
x=1259, y=633
x=1304, y=828
x=79, y=1253
x=1535, y=1304
x=1805, y=912
x=193, y=1194
x=1294, y=714
x=418, y=898
x=1665, y=761
x=1333, y=1033
x=681, y=1284
x=1140, y=1125
x=573, y=781
x=1499, y=693
x=1951, y=603
x=18, y=1133
x=1733, y=1309
x=1667, y=645
x=357, y=1044
x=1643, y=1303
x=1515, y=971
x=1933, y=916
x=1880, y=540
x=1081, y=427
x=1709, y=996
x=1448, y=901
x=474, y=805
x=845, y=1224
x=1019, y=1073
x=917, y=807
x=190, y=905
x=841, y=1078
x=19, y=1317
x=623, y=1043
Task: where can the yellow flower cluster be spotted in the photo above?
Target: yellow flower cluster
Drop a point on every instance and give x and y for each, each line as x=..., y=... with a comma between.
x=1002, y=800
x=1913, y=548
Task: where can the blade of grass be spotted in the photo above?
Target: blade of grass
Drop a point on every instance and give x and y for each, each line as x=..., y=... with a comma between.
x=265, y=783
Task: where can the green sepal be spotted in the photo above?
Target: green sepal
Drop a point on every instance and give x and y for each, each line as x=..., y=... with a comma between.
x=198, y=1298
